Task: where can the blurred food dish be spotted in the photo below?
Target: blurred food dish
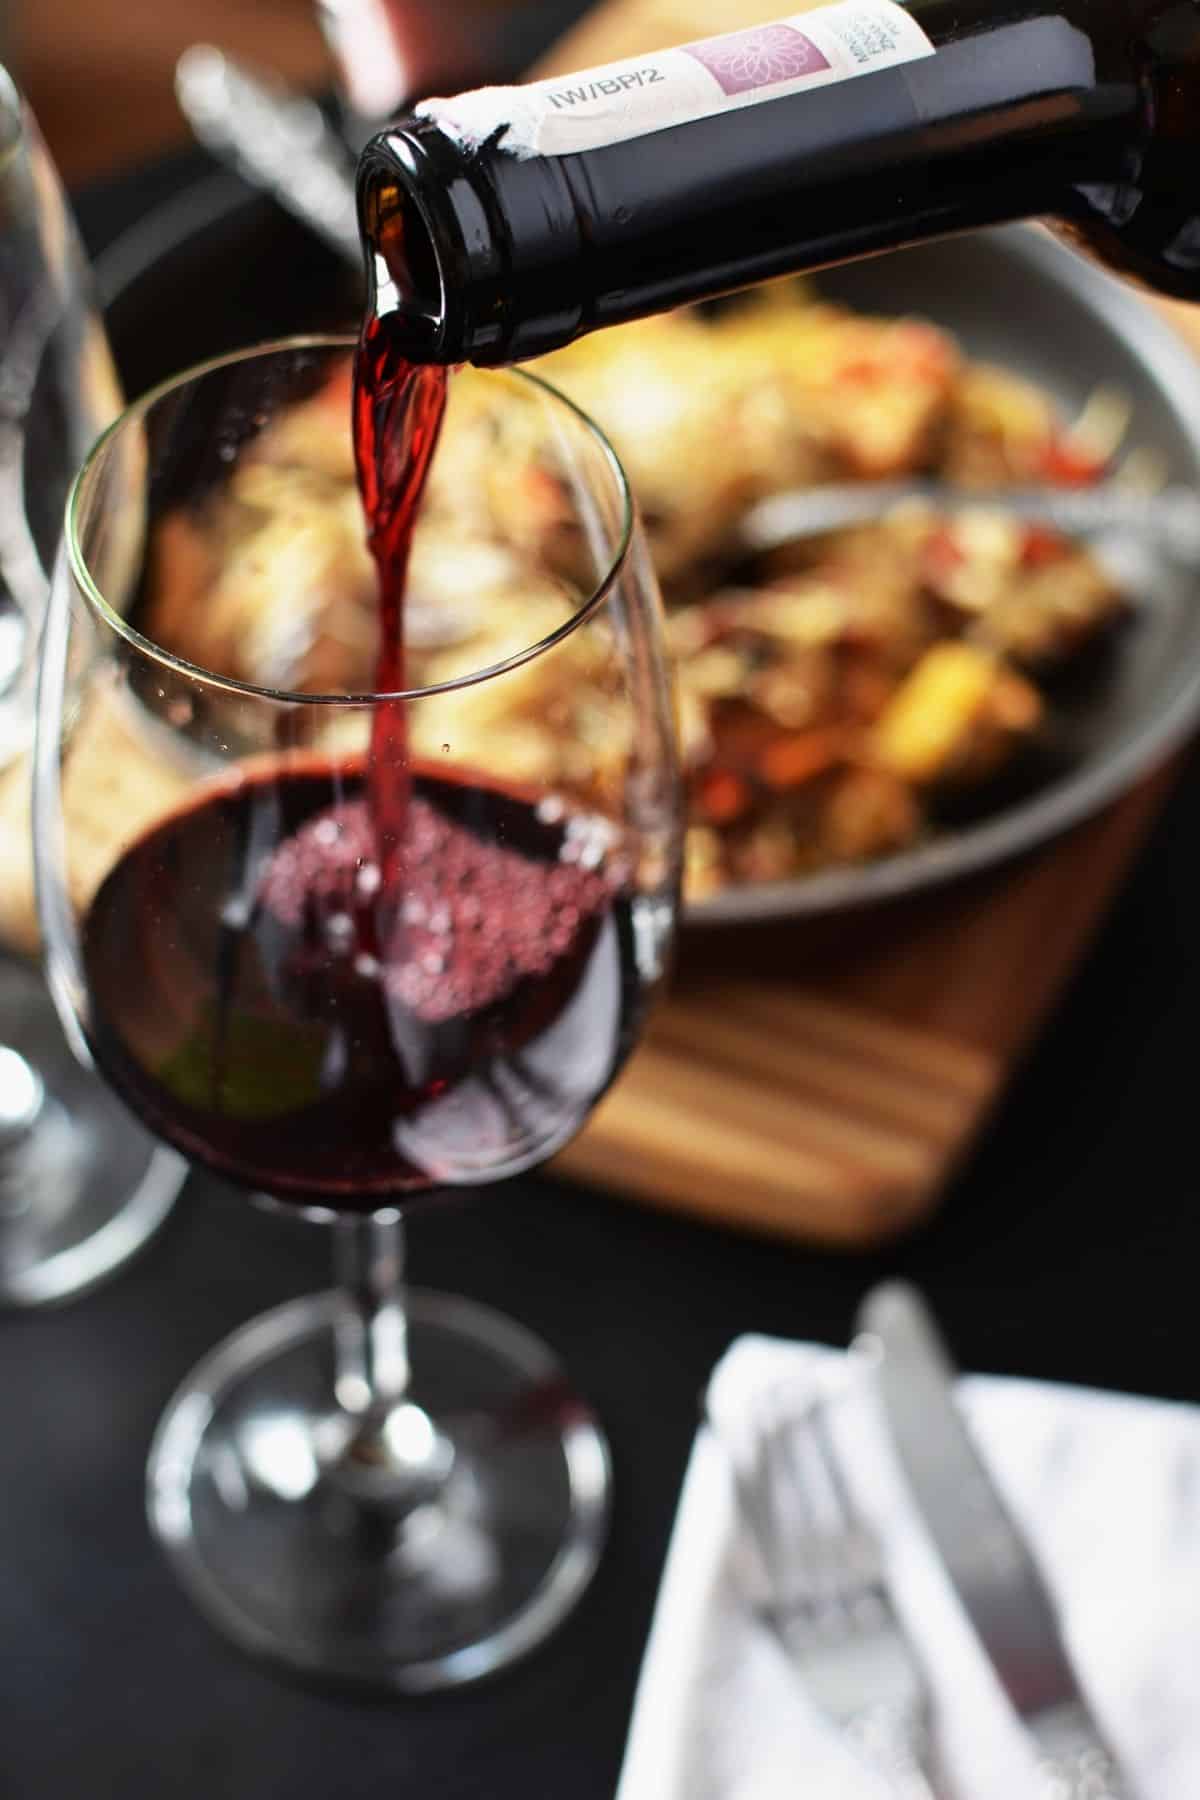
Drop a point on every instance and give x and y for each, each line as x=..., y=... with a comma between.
x=1051, y=678
x=835, y=694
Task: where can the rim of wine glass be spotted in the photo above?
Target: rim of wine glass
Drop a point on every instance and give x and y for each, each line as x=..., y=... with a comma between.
x=286, y=696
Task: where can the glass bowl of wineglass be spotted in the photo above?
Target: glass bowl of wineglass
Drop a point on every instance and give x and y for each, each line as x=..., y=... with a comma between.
x=350, y=947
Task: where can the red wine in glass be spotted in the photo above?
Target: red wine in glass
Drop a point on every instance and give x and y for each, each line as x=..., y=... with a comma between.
x=278, y=1037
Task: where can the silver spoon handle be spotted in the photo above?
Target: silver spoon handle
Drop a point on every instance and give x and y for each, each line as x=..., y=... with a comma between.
x=1172, y=515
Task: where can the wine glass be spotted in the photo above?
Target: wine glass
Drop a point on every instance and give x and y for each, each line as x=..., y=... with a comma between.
x=396, y=1489
x=81, y=1185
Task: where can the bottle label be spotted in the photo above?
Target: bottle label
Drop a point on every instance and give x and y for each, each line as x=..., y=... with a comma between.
x=639, y=95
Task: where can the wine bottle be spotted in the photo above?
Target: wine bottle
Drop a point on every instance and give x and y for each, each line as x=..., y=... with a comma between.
x=529, y=215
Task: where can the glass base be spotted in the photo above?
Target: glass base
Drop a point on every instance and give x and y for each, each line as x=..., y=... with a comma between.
x=294, y=1563
x=83, y=1187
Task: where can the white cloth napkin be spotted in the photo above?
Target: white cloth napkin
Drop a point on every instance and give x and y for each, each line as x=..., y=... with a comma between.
x=1107, y=1489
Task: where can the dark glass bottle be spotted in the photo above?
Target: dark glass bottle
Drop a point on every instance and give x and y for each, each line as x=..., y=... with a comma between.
x=1086, y=112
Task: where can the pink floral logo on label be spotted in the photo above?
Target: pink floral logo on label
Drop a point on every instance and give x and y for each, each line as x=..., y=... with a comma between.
x=759, y=57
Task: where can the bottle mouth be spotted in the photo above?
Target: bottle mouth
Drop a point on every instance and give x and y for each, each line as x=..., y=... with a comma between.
x=404, y=274
x=479, y=254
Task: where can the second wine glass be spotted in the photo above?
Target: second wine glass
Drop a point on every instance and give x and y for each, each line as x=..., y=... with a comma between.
x=81, y=1186
x=401, y=1490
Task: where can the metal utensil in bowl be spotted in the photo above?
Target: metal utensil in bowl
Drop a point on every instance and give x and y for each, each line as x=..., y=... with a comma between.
x=1012, y=296
x=1170, y=519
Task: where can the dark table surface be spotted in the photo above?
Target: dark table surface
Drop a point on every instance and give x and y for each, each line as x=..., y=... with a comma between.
x=1068, y=1248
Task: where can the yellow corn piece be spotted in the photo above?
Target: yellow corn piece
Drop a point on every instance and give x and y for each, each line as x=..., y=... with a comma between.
x=958, y=711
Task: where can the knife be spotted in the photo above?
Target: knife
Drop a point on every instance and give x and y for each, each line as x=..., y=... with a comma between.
x=994, y=1575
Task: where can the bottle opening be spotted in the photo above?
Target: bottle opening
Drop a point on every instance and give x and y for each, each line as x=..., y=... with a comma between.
x=402, y=266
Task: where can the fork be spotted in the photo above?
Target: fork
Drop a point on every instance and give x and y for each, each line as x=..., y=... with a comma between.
x=826, y=1599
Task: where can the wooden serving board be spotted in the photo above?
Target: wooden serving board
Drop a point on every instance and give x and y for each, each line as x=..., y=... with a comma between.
x=825, y=1082
x=828, y=1092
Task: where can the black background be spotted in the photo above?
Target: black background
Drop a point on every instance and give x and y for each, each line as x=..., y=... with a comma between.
x=1068, y=1248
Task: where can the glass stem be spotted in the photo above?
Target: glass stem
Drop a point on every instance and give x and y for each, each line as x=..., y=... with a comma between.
x=372, y=1372
x=22, y=1099
x=389, y=1453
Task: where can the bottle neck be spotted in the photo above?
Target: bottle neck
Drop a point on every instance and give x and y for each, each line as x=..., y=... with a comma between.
x=1016, y=110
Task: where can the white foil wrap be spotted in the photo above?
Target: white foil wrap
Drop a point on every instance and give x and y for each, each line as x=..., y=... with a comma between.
x=639, y=95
